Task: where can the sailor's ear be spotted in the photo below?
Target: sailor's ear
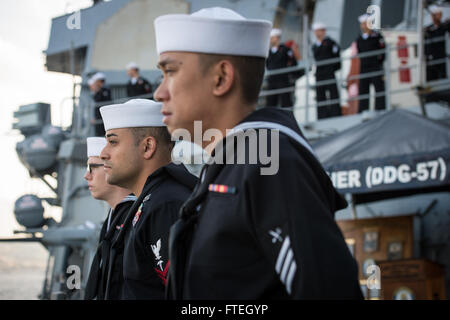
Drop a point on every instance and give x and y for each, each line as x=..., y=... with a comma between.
x=149, y=147
x=224, y=77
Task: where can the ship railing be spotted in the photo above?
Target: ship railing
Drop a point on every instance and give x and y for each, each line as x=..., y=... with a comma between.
x=87, y=120
x=387, y=71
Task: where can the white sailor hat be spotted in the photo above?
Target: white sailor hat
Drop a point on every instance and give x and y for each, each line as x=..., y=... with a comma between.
x=318, y=26
x=363, y=18
x=134, y=113
x=214, y=31
x=95, y=146
x=434, y=9
x=275, y=32
x=132, y=65
x=95, y=77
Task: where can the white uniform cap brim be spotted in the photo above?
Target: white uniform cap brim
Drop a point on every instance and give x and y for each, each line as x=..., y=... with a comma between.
x=100, y=76
x=95, y=146
x=434, y=9
x=213, y=31
x=134, y=113
x=318, y=26
x=363, y=18
x=95, y=77
x=132, y=65
x=275, y=33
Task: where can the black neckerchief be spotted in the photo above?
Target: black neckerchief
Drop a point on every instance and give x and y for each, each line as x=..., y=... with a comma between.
x=181, y=231
x=92, y=286
x=95, y=287
x=152, y=182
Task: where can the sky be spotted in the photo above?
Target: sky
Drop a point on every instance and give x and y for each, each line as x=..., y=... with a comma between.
x=24, y=33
